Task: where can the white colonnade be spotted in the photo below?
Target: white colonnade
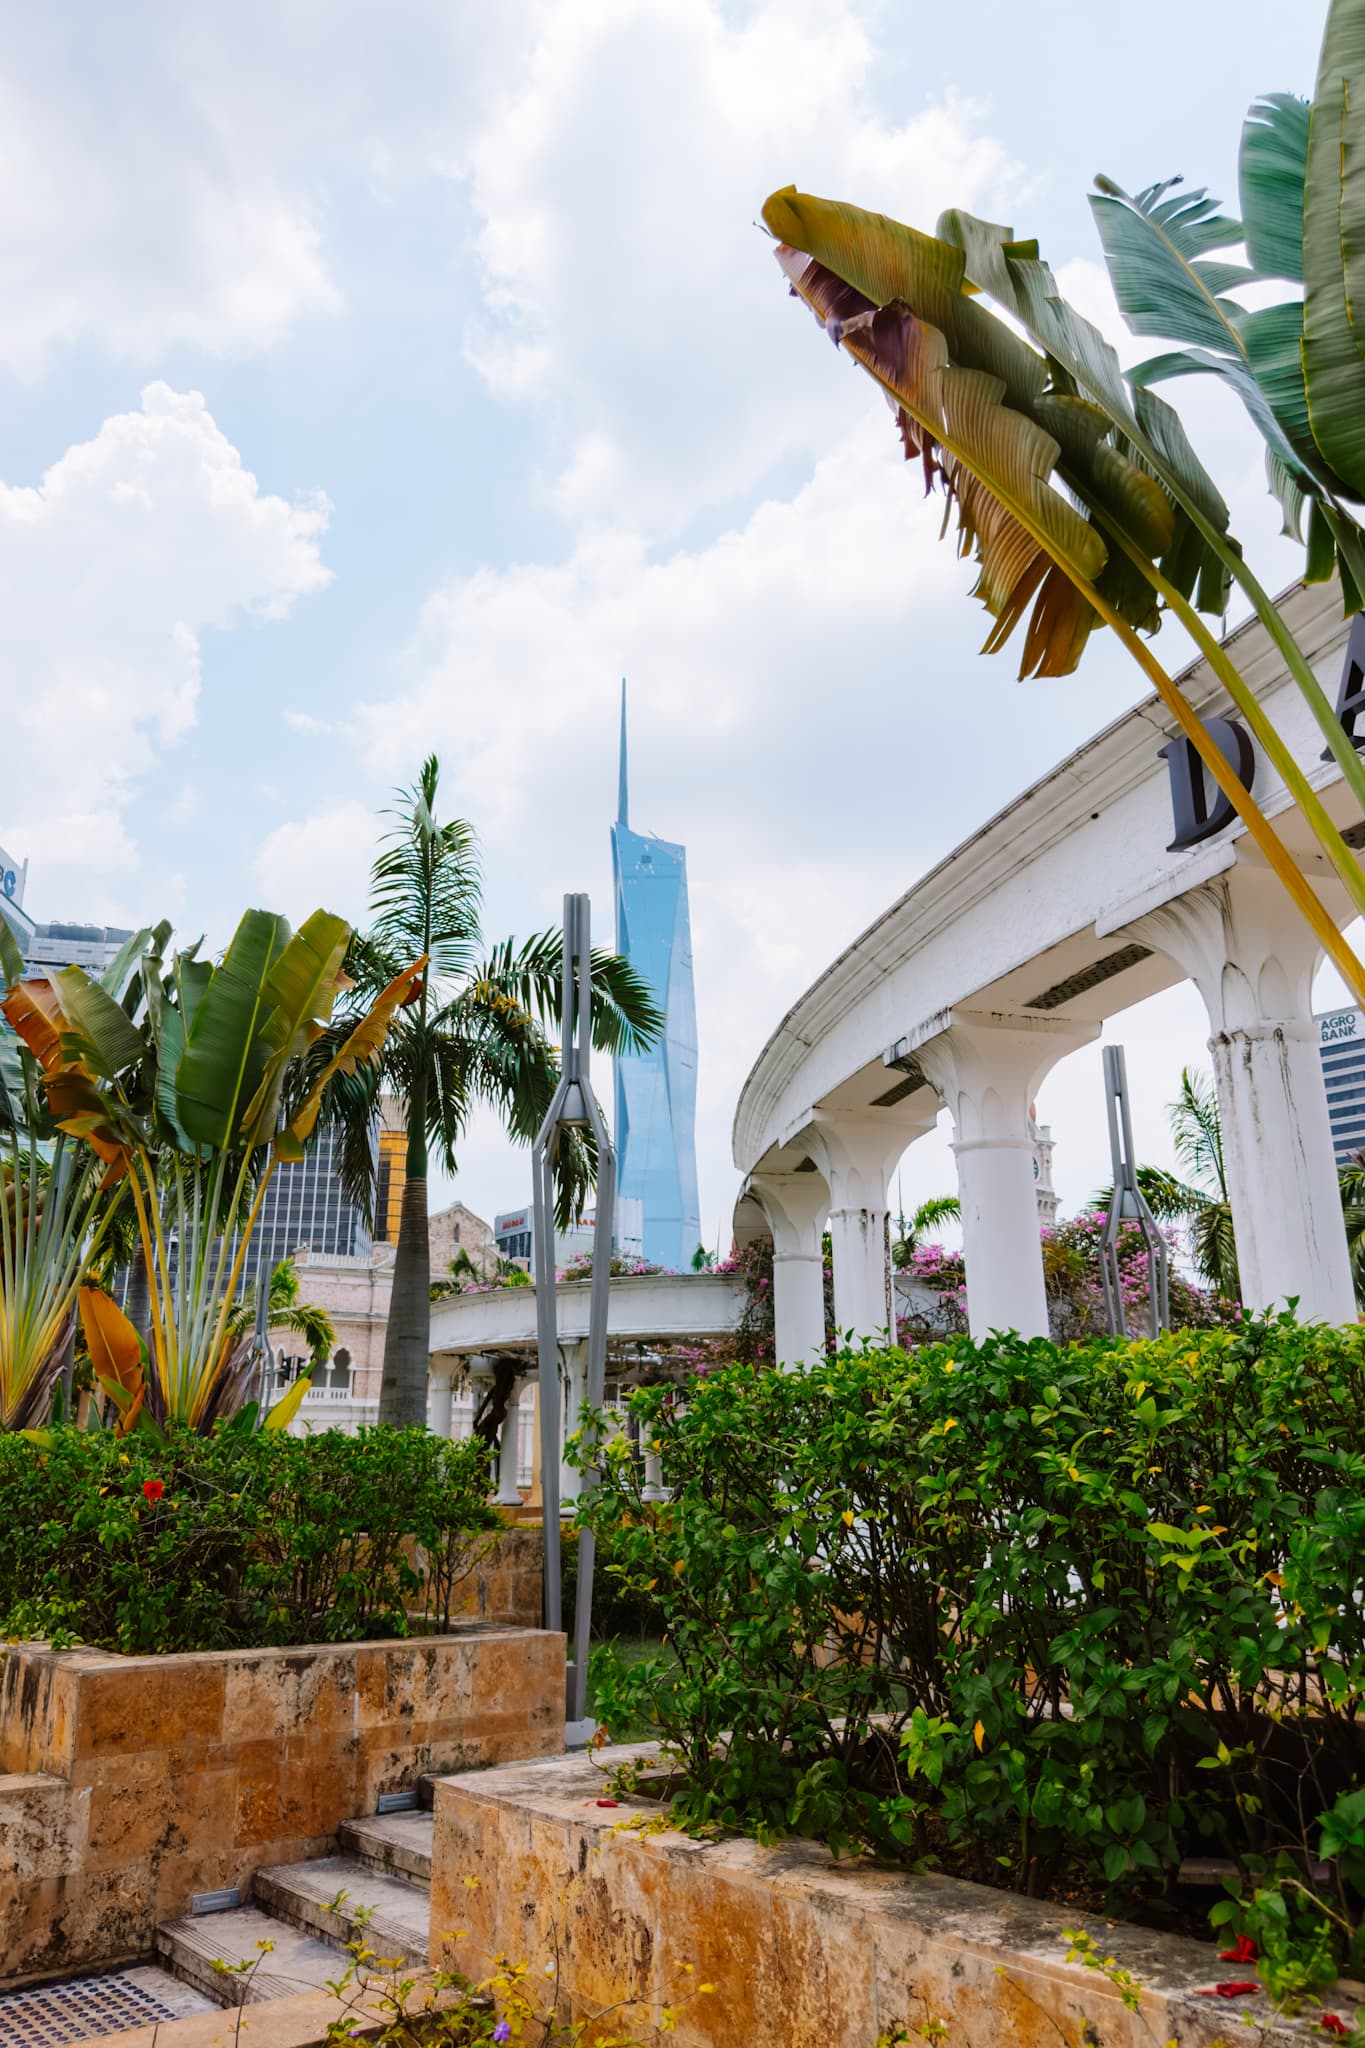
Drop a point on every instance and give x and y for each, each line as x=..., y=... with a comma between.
x=1074, y=903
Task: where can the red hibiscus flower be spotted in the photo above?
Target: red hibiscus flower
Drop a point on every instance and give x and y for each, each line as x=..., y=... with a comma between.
x=1330, y=2024
x=1230, y=1990
x=153, y=1489
x=1245, y=1951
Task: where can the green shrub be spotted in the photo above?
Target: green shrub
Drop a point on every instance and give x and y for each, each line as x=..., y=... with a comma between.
x=1053, y=1615
x=231, y=1541
x=621, y=1606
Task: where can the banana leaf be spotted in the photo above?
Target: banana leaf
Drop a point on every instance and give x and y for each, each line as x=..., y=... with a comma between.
x=1271, y=169
x=1333, y=227
x=11, y=959
x=226, y=1049
x=100, y=1036
x=360, y=1047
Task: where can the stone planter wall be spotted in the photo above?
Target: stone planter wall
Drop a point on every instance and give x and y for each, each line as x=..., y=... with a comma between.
x=506, y=1583
x=802, y=1952
x=136, y=1782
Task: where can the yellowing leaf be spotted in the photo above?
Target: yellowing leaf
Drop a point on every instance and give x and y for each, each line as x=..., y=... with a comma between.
x=117, y=1353
x=285, y=1409
x=847, y=1518
x=978, y=1733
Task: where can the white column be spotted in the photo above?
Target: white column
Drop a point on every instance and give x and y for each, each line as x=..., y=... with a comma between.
x=440, y=1397
x=858, y=1151
x=795, y=1206
x=508, y=1494
x=575, y=1393
x=1252, y=958
x=654, y=1488
x=987, y=1067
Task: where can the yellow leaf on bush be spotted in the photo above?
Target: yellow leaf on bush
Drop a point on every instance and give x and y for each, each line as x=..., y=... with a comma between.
x=979, y=1733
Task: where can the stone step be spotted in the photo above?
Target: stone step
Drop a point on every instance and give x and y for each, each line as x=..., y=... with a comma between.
x=298, y=2022
x=397, y=1842
x=341, y=1899
x=84, y=2008
x=292, y=1962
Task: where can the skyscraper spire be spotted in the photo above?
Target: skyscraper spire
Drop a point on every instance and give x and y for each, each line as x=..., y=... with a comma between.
x=622, y=806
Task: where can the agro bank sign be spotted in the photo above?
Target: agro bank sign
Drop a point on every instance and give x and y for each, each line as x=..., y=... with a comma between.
x=1342, y=1027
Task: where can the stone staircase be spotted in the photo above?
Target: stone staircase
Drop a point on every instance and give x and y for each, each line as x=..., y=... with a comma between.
x=281, y=1951
x=376, y=1891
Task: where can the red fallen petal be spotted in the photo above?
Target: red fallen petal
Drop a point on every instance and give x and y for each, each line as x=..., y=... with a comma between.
x=1229, y=1990
x=1330, y=2024
x=609, y=1802
x=1244, y=1952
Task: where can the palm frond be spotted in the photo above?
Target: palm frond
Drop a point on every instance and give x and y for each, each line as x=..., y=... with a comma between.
x=1197, y=1132
x=426, y=885
x=625, y=1016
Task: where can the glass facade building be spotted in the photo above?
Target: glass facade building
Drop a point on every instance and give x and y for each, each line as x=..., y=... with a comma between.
x=1341, y=1034
x=656, y=1092
x=306, y=1204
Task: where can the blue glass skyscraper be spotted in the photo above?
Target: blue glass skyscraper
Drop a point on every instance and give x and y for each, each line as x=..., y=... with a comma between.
x=656, y=1092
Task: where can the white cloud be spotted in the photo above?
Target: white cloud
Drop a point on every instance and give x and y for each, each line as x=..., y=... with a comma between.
x=808, y=714
x=627, y=291
x=170, y=168
x=309, y=724
x=322, y=860
x=111, y=569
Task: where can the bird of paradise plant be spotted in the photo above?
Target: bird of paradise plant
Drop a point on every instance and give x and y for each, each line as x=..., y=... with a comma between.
x=1074, y=485
x=190, y=1096
x=55, y=1213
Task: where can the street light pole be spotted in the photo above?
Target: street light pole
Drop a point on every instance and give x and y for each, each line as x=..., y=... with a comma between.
x=573, y=1107
x=1127, y=1204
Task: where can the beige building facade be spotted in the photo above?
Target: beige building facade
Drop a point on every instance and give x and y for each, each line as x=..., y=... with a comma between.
x=355, y=1293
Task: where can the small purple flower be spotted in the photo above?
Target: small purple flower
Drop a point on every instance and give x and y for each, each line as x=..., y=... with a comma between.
x=502, y=2032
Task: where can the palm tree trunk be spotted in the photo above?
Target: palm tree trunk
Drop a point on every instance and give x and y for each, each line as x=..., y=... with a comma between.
x=407, y=1341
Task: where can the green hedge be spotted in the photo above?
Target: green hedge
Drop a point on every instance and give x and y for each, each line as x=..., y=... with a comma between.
x=235, y=1541
x=1047, y=1616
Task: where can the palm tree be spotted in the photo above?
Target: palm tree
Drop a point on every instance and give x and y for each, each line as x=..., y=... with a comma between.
x=463, y=1271
x=474, y=1033
x=929, y=1215
x=1201, y=1201
x=286, y=1312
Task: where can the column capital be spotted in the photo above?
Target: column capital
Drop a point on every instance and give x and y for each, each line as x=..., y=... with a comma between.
x=988, y=1065
x=858, y=1149
x=793, y=1204
x=1245, y=946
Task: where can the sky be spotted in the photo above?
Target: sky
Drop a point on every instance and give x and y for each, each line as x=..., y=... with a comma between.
x=377, y=382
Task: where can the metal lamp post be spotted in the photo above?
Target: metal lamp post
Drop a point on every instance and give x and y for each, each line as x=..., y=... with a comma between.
x=573, y=1107
x=1127, y=1204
